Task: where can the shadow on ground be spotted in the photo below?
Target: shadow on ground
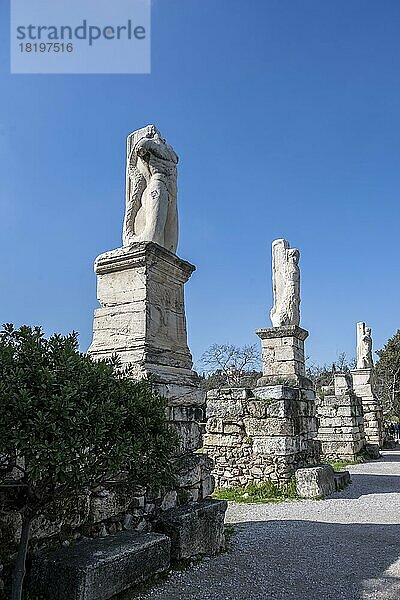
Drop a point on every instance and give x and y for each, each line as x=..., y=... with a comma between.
x=313, y=560
x=364, y=484
x=304, y=560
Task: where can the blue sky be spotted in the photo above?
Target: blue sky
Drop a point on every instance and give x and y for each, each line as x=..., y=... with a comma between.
x=285, y=115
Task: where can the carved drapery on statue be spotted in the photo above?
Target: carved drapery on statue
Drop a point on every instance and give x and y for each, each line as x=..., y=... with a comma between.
x=364, y=347
x=286, y=284
x=151, y=190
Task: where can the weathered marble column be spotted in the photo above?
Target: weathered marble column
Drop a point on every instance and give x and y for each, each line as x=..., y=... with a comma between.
x=140, y=288
x=267, y=433
x=283, y=344
x=364, y=387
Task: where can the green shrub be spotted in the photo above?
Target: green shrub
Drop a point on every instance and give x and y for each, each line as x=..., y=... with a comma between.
x=68, y=424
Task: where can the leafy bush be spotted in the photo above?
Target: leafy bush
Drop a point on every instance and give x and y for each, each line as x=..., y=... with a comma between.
x=68, y=424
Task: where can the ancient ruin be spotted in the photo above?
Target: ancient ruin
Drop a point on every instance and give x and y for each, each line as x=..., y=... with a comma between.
x=365, y=387
x=283, y=344
x=266, y=433
x=141, y=319
x=142, y=315
x=341, y=420
x=151, y=213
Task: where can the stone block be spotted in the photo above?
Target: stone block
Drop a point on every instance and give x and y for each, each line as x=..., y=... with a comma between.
x=195, y=529
x=99, y=569
x=315, y=482
x=187, y=413
x=224, y=407
x=207, y=486
x=169, y=500
x=107, y=503
x=189, y=435
x=215, y=425
x=232, y=428
x=230, y=441
x=182, y=394
x=373, y=451
x=279, y=445
x=192, y=468
x=276, y=392
x=268, y=426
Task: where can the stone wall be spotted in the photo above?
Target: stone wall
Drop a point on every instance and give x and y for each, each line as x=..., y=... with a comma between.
x=364, y=387
x=109, y=509
x=259, y=435
x=341, y=421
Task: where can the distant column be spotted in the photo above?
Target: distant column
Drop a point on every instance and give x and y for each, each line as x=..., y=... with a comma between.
x=365, y=388
x=283, y=344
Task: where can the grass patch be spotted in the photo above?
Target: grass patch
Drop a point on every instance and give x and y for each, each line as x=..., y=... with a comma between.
x=340, y=465
x=258, y=493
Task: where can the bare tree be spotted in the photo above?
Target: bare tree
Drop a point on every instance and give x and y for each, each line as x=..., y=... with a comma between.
x=232, y=363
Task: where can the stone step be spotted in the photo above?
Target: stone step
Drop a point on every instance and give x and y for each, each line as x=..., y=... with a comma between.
x=195, y=529
x=98, y=569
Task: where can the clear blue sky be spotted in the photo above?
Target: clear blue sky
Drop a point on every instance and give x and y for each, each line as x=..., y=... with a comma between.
x=286, y=117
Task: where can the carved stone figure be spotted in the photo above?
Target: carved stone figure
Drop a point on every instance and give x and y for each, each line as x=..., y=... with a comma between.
x=151, y=190
x=364, y=347
x=286, y=284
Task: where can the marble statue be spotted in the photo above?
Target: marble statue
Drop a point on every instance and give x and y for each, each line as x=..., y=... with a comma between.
x=151, y=190
x=286, y=284
x=364, y=347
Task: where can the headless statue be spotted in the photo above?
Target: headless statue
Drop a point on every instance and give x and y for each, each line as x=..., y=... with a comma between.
x=286, y=284
x=364, y=347
x=151, y=191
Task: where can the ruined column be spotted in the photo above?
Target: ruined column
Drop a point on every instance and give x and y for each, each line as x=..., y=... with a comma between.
x=365, y=387
x=341, y=422
x=140, y=288
x=267, y=433
x=283, y=344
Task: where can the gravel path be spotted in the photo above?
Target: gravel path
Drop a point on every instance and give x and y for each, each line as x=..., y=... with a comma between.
x=345, y=547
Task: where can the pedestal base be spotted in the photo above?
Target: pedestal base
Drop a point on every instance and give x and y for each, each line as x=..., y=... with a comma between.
x=259, y=435
x=142, y=319
x=283, y=356
x=341, y=422
x=364, y=388
x=142, y=314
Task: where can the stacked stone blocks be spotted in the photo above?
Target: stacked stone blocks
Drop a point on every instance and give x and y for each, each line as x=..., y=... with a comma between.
x=364, y=387
x=260, y=435
x=341, y=421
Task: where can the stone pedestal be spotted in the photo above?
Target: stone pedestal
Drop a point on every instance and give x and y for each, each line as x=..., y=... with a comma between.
x=260, y=435
x=142, y=314
x=364, y=388
x=341, y=422
x=283, y=356
x=142, y=320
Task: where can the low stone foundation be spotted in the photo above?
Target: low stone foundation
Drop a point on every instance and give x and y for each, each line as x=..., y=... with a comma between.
x=259, y=435
x=108, y=510
x=341, y=422
x=364, y=387
x=100, y=569
x=195, y=530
